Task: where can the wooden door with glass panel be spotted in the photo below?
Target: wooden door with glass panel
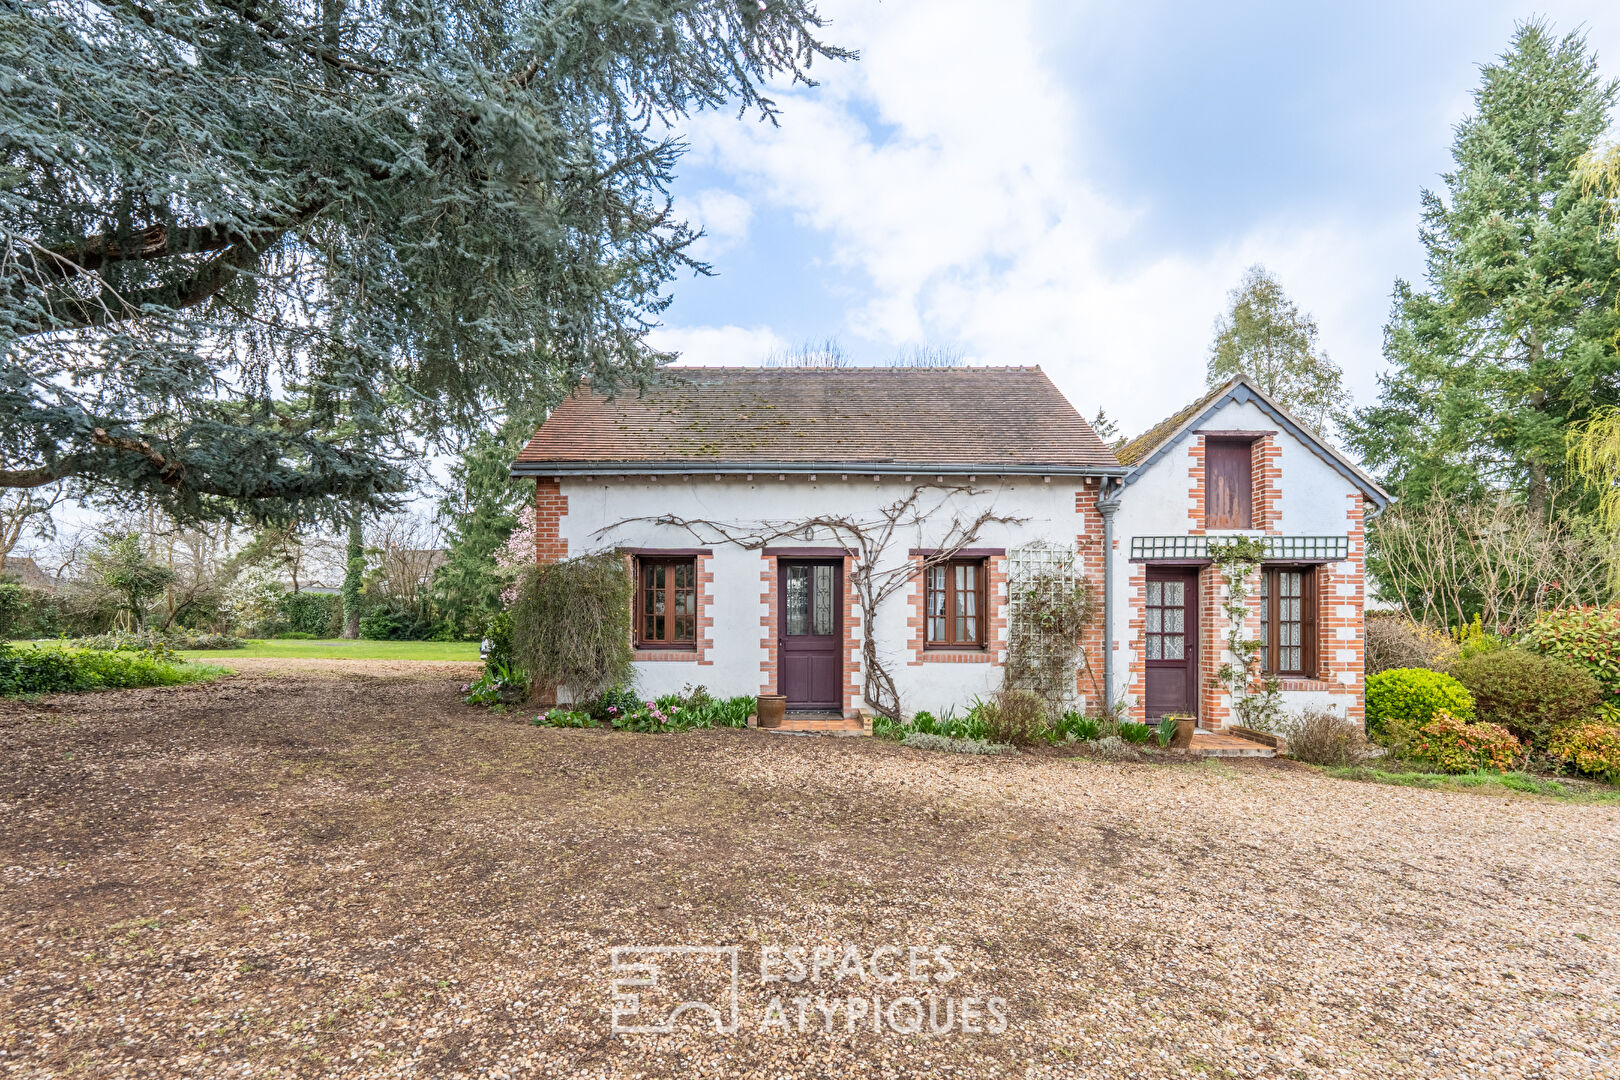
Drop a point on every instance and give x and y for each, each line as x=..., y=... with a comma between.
x=1170, y=646
x=812, y=627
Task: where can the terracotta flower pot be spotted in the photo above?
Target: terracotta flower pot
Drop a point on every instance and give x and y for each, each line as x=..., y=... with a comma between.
x=772, y=709
x=1182, y=739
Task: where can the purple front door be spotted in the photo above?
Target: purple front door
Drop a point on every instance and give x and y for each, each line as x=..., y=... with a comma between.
x=812, y=627
x=1171, y=642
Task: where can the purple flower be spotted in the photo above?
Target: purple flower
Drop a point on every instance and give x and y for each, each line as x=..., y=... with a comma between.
x=613, y=710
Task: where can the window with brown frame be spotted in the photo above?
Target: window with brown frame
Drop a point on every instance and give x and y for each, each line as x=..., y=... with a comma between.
x=954, y=604
x=666, y=602
x=1229, y=494
x=1288, y=620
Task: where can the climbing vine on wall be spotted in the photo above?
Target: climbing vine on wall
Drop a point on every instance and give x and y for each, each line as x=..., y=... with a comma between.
x=1256, y=698
x=1049, y=606
x=876, y=572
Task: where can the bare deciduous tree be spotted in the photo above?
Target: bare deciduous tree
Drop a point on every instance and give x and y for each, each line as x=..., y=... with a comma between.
x=1446, y=559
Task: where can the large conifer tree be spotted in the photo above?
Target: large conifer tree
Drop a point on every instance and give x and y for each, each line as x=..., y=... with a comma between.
x=1513, y=339
x=246, y=244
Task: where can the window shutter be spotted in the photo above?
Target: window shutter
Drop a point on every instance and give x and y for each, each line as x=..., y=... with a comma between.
x=1308, y=623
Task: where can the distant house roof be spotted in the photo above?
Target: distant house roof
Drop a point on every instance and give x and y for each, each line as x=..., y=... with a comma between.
x=25, y=571
x=952, y=420
x=1161, y=438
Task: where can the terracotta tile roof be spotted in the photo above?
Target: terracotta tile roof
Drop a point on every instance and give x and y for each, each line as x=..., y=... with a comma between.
x=983, y=417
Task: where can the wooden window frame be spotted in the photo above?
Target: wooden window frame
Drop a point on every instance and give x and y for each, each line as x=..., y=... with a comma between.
x=670, y=562
x=981, y=609
x=1309, y=624
x=1211, y=443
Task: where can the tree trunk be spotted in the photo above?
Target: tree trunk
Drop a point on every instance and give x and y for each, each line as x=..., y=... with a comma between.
x=1538, y=495
x=354, y=568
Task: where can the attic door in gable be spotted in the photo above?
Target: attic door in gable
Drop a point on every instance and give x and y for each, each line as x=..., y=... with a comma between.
x=1229, y=497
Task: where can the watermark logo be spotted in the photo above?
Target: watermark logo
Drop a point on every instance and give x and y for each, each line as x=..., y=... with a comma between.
x=653, y=986
x=908, y=990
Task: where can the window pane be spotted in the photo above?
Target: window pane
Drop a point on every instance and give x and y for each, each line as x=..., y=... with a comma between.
x=684, y=573
x=1155, y=620
x=936, y=590
x=798, y=599
x=824, y=600
x=1155, y=593
x=1175, y=647
x=1155, y=650
x=936, y=628
x=1175, y=593
x=1175, y=620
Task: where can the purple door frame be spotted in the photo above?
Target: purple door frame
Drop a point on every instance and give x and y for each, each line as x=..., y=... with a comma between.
x=1172, y=684
x=812, y=669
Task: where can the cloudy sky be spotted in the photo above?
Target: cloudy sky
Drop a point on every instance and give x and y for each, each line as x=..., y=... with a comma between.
x=1078, y=185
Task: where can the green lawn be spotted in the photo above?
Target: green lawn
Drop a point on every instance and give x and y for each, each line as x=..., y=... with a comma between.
x=343, y=649
x=1487, y=782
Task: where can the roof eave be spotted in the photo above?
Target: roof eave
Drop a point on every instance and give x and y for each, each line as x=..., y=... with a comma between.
x=1241, y=389
x=740, y=468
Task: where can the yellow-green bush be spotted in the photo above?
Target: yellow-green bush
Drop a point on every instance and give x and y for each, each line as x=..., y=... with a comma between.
x=1414, y=696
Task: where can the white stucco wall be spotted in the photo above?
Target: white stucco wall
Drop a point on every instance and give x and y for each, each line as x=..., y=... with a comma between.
x=601, y=513
x=1314, y=498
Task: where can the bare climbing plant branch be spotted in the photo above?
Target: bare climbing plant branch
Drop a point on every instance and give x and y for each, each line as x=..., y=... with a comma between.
x=875, y=575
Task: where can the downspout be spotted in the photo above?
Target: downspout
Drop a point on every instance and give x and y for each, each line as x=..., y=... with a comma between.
x=1107, y=503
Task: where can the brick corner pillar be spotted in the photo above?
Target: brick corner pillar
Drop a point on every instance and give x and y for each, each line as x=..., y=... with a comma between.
x=550, y=506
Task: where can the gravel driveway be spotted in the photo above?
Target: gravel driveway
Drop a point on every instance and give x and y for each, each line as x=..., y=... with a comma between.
x=346, y=872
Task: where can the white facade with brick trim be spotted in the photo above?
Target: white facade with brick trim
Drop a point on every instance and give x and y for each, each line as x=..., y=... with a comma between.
x=1305, y=496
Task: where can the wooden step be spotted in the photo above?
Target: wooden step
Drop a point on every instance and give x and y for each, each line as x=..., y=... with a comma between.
x=808, y=723
x=1219, y=744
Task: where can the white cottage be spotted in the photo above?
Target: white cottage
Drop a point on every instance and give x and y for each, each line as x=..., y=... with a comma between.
x=760, y=509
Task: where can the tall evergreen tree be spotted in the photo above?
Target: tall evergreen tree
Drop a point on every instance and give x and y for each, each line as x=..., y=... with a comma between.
x=1264, y=335
x=1513, y=339
x=480, y=507
x=445, y=208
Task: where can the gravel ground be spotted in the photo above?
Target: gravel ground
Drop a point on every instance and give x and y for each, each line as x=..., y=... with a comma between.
x=339, y=870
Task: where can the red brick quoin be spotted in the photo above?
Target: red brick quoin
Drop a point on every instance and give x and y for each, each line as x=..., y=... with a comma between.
x=550, y=507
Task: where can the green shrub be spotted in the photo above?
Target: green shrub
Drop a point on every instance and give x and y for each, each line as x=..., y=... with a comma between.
x=1449, y=744
x=564, y=718
x=611, y=705
x=1587, y=637
x=571, y=624
x=51, y=671
x=1413, y=695
x=1076, y=726
x=384, y=624
x=320, y=615
x=1015, y=718
x=149, y=640
x=1529, y=694
x=13, y=607
x=1134, y=733
x=1592, y=748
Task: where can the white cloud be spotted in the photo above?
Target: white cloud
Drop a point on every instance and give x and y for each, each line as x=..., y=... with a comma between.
x=965, y=203
x=724, y=217
x=718, y=346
